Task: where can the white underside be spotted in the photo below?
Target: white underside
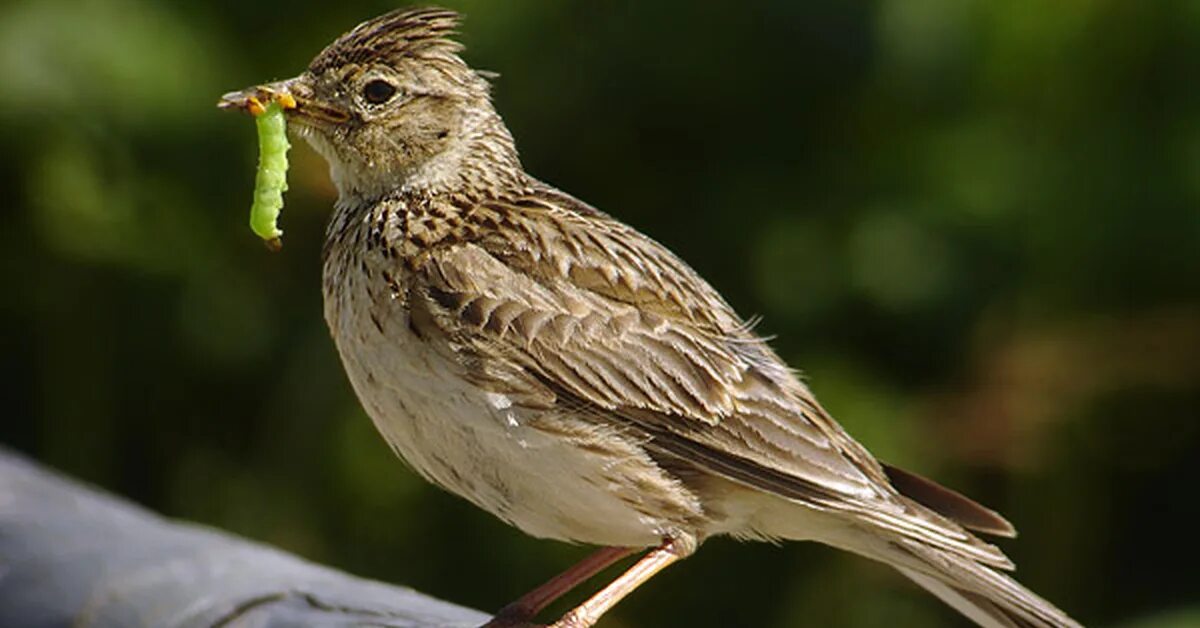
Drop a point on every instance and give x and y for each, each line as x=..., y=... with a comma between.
x=475, y=445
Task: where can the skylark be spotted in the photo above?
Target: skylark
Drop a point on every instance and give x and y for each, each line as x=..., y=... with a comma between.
x=570, y=375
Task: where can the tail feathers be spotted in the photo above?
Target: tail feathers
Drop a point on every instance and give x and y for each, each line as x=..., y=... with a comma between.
x=988, y=597
x=949, y=503
x=974, y=606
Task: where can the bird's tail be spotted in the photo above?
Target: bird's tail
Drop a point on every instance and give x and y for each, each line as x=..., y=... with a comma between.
x=987, y=596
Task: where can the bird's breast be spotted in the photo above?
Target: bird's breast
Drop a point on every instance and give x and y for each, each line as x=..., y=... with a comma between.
x=551, y=475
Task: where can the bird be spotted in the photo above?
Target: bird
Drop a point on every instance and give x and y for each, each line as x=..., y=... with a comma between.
x=570, y=375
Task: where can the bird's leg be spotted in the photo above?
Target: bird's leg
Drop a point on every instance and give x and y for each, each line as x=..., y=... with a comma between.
x=589, y=612
x=533, y=602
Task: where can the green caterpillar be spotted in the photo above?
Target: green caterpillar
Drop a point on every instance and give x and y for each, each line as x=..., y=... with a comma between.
x=270, y=181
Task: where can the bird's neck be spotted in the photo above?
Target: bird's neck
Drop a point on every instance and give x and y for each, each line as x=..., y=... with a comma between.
x=482, y=163
x=483, y=166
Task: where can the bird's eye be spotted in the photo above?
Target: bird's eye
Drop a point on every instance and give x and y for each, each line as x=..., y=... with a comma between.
x=378, y=91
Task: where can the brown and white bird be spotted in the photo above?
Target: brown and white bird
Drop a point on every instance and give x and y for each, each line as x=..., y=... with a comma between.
x=570, y=375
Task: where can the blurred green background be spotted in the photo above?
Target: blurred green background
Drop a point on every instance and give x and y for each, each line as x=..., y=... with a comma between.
x=975, y=225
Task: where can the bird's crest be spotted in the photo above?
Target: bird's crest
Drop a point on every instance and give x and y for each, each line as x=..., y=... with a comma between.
x=422, y=33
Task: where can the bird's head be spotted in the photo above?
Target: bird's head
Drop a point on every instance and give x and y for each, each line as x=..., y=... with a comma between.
x=391, y=105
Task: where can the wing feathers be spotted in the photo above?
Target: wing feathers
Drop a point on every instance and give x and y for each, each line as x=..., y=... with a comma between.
x=607, y=321
x=654, y=363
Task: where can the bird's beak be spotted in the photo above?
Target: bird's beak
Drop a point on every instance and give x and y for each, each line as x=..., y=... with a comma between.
x=293, y=95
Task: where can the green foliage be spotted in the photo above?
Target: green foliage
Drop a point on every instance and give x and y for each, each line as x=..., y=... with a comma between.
x=975, y=225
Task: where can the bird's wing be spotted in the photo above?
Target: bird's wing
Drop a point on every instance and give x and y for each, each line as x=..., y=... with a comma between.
x=565, y=306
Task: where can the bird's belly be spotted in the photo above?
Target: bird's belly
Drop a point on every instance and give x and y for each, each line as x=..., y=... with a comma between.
x=473, y=444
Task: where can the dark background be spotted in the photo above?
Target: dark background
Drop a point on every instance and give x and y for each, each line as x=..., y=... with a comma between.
x=973, y=224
